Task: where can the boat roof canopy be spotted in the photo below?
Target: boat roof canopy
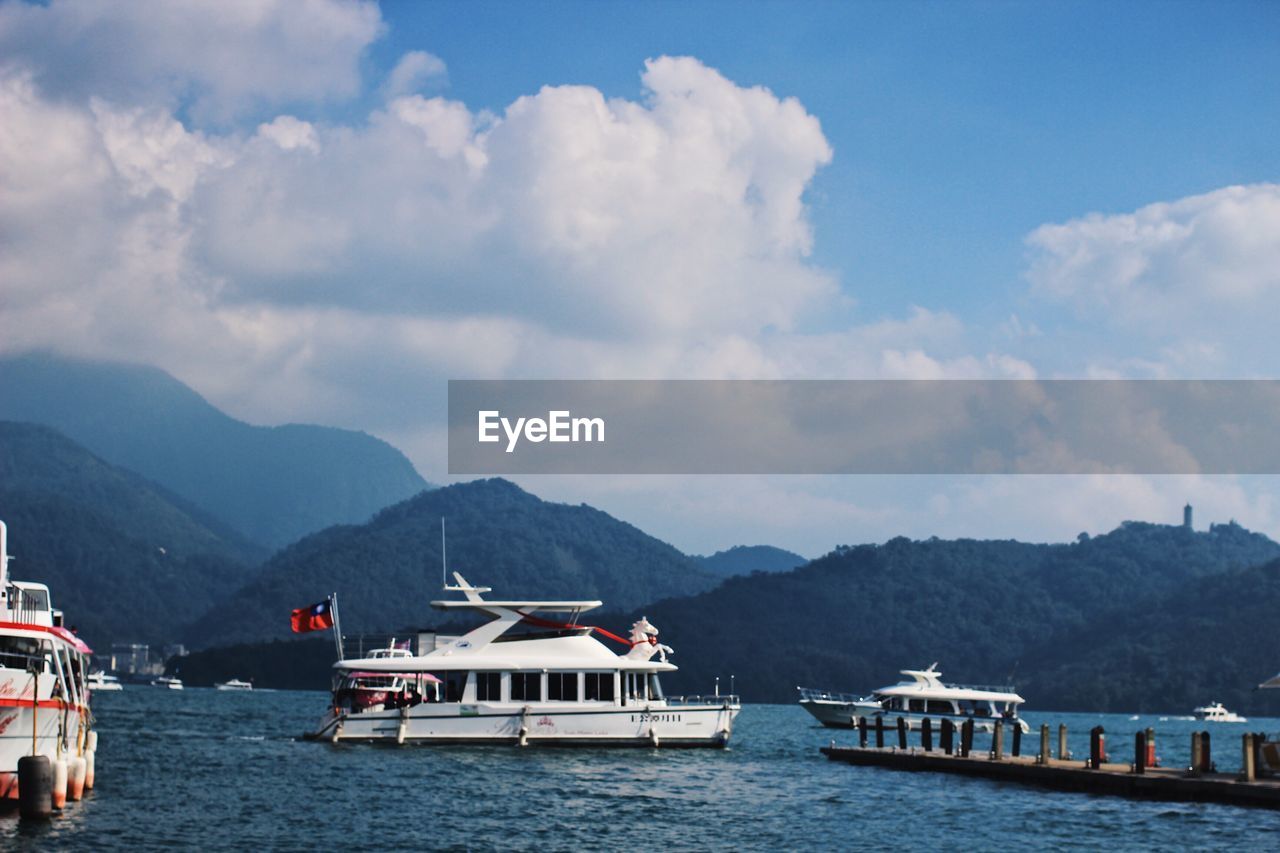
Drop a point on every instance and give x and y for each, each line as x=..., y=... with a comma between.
x=474, y=601
x=523, y=606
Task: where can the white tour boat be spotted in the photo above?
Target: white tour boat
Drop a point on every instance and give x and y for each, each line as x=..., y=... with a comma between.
x=521, y=679
x=922, y=695
x=167, y=682
x=100, y=681
x=233, y=684
x=1215, y=713
x=44, y=698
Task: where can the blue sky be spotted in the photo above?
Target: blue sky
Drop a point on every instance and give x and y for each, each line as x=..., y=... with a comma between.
x=957, y=127
x=321, y=210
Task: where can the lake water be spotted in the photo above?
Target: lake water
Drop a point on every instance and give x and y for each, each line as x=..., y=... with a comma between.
x=223, y=770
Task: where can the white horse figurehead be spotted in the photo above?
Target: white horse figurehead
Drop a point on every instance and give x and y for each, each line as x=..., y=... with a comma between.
x=642, y=631
x=644, y=641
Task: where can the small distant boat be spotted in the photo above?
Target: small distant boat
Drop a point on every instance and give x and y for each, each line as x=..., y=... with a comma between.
x=99, y=681
x=233, y=684
x=923, y=696
x=1215, y=713
x=170, y=683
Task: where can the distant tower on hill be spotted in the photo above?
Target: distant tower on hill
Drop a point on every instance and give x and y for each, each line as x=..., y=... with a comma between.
x=1186, y=516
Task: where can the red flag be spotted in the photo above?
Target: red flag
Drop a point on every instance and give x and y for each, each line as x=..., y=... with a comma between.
x=316, y=617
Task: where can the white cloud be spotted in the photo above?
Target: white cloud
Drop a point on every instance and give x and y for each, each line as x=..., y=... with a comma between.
x=338, y=272
x=226, y=56
x=290, y=133
x=415, y=70
x=1192, y=285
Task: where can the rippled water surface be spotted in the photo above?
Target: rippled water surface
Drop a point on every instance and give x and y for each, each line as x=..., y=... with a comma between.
x=223, y=770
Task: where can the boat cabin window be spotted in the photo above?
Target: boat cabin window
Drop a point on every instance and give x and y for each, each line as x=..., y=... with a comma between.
x=598, y=687
x=915, y=705
x=454, y=685
x=526, y=687
x=939, y=706
x=488, y=687
x=655, y=688
x=562, y=687
x=893, y=703
x=635, y=687
x=15, y=652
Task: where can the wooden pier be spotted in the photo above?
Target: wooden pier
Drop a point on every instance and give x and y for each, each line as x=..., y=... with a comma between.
x=1135, y=779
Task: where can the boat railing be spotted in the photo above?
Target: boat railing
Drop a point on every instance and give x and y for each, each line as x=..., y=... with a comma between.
x=708, y=699
x=808, y=694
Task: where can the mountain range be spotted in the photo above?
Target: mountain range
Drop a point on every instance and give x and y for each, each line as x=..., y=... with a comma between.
x=1147, y=617
x=273, y=485
x=137, y=547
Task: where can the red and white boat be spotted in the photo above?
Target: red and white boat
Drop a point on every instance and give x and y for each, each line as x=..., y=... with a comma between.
x=44, y=695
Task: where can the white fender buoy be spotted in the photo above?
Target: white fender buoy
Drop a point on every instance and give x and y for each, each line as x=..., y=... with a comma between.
x=337, y=733
x=404, y=724
x=76, y=769
x=653, y=736
x=60, y=783
x=88, y=769
x=92, y=743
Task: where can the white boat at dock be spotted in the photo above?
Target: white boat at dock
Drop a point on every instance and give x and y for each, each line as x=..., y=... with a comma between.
x=923, y=695
x=44, y=691
x=167, y=682
x=233, y=684
x=521, y=679
x=1216, y=713
x=99, y=682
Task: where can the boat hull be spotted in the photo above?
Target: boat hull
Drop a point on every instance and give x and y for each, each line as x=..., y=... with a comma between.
x=845, y=715
x=686, y=725
x=15, y=738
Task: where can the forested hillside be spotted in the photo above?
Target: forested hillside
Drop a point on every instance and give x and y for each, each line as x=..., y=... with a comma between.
x=986, y=611
x=124, y=560
x=745, y=559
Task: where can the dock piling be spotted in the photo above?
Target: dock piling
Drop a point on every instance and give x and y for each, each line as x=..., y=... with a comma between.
x=1063, y=752
x=1249, y=769
x=879, y=732
x=1097, y=747
x=997, y=740
x=862, y=732
x=948, y=734
x=1206, y=752
x=1017, y=739
x=902, y=733
x=1140, y=752
x=1197, y=754
x=1043, y=757
x=966, y=738
x=926, y=734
